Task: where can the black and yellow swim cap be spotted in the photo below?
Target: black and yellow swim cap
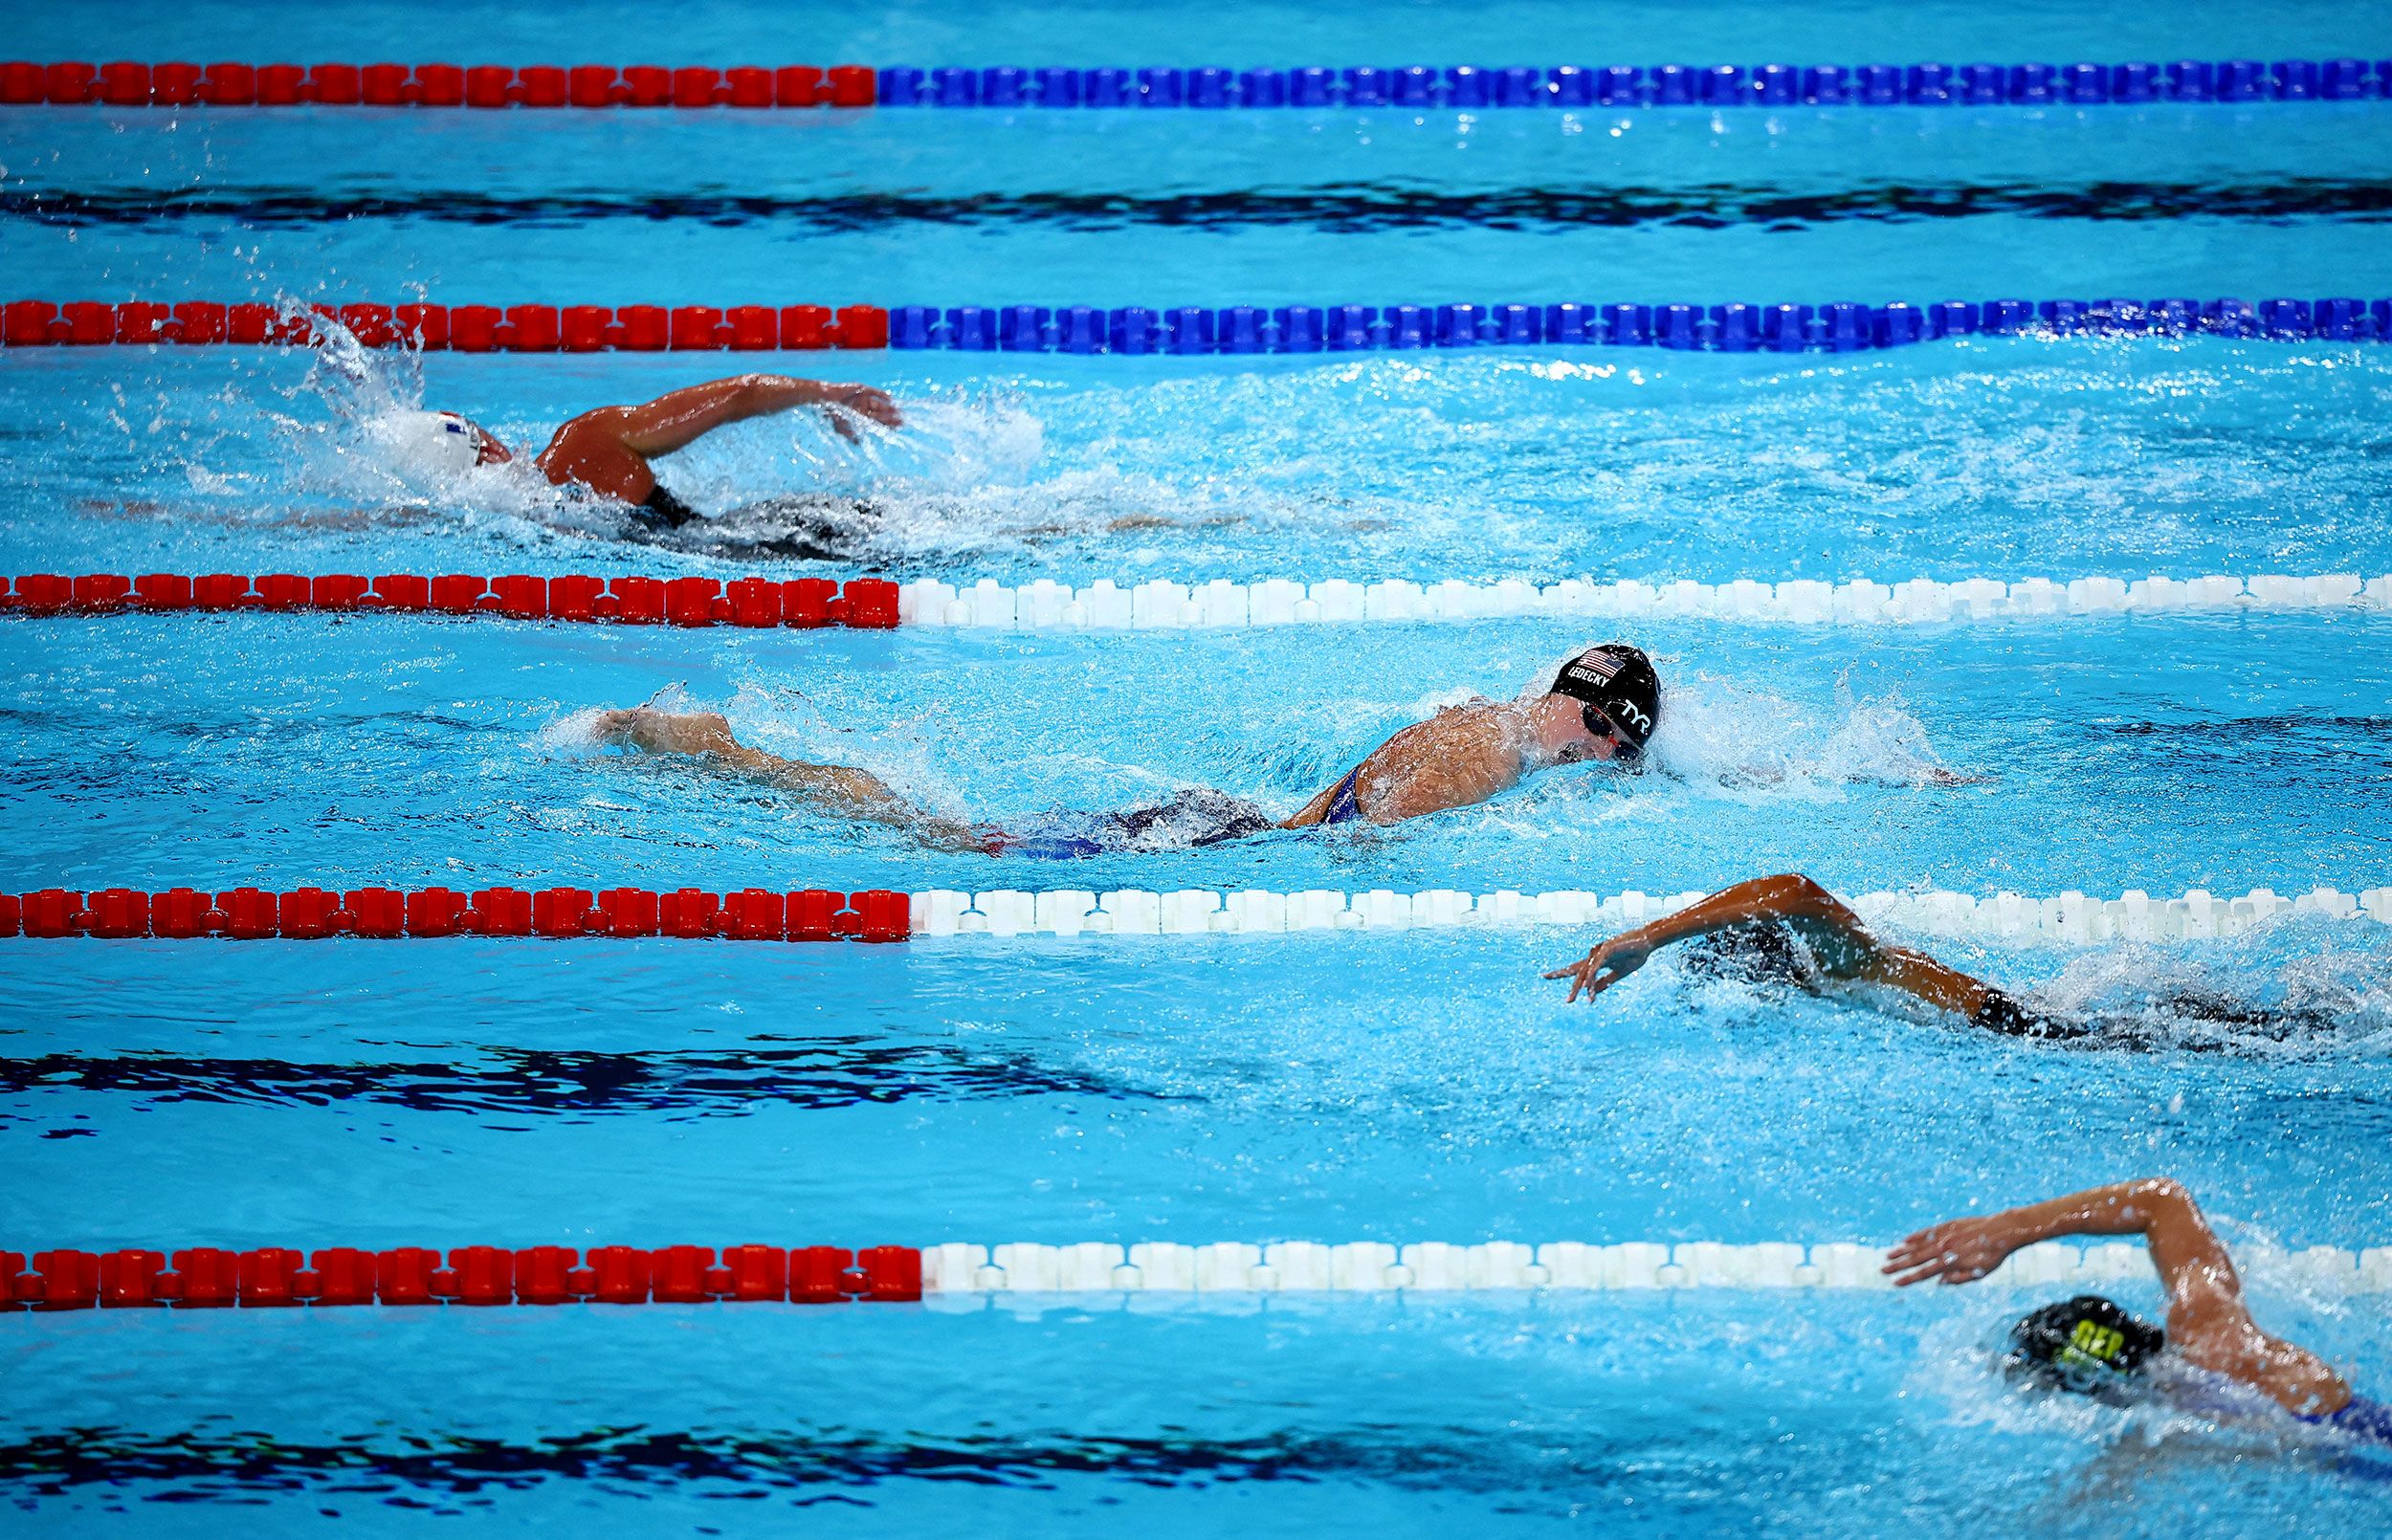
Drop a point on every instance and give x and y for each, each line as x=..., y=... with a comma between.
x=2087, y=1344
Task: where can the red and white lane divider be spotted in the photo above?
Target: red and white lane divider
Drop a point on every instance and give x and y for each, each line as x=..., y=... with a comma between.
x=446, y=328
x=1159, y=604
x=867, y=604
x=963, y=1272
x=127, y=83
x=822, y=914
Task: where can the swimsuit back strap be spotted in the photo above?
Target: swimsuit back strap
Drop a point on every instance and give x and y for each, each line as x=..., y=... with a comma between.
x=1344, y=808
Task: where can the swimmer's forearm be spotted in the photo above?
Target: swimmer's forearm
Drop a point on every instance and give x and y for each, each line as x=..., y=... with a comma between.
x=677, y=419
x=2114, y=1209
x=1788, y=897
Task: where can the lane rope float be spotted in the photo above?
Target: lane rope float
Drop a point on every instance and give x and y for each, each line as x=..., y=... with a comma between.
x=867, y=604
x=971, y=1274
x=1158, y=604
x=130, y=83
x=1188, y=330
x=822, y=914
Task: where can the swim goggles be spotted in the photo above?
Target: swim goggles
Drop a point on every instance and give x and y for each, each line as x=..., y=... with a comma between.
x=1598, y=725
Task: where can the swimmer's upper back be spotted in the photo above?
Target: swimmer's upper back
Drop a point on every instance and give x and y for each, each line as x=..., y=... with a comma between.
x=1463, y=755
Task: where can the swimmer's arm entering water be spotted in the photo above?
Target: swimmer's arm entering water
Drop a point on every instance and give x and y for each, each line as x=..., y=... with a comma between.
x=680, y=418
x=2208, y=1321
x=607, y=450
x=837, y=789
x=1835, y=936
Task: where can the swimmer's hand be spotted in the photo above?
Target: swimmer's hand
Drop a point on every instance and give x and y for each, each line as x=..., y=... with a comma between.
x=644, y=727
x=1606, y=964
x=1958, y=1251
x=864, y=402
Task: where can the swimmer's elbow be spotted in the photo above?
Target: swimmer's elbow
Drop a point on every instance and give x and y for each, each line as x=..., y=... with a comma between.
x=1791, y=893
x=2163, y=1195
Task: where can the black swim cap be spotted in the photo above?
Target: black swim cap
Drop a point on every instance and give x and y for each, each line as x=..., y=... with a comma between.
x=1618, y=681
x=2087, y=1345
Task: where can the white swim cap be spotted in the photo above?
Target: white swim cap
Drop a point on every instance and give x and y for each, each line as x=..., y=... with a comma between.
x=439, y=442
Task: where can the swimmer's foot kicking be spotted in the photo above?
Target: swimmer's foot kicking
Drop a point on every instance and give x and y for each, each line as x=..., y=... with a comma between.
x=1602, y=708
x=610, y=453
x=1788, y=930
x=2091, y=1345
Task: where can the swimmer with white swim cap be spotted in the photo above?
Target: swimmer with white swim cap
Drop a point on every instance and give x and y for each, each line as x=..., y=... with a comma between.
x=609, y=452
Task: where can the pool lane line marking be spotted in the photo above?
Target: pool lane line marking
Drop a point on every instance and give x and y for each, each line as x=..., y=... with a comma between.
x=883, y=916
x=972, y=1275
x=1836, y=327
x=1411, y=87
x=1160, y=605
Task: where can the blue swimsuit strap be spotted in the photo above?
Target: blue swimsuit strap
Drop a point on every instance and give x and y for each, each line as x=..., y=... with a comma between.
x=2361, y=1418
x=1342, y=808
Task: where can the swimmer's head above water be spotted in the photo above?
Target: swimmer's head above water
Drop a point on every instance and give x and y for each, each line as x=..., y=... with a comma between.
x=2087, y=1345
x=444, y=442
x=1615, y=693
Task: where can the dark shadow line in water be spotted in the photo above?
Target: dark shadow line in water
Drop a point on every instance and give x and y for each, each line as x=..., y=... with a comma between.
x=2245, y=729
x=523, y=1080
x=1343, y=207
x=239, y=1469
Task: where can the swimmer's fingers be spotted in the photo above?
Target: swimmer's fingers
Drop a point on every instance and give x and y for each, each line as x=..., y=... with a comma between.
x=618, y=726
x=877, y=406
x=865, y=402
x=1577, y=972
x=1956, y=1253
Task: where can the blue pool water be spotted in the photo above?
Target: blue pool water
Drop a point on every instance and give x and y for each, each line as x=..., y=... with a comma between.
x=1333, y=1087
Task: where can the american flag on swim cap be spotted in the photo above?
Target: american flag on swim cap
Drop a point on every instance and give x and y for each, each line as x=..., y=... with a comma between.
x=1603, y=666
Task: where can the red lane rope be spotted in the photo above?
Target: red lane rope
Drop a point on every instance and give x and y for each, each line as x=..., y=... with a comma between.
x=863, y=603
x=208, y=1276
x=553, y=913
x=128, y=84
x=452, y=328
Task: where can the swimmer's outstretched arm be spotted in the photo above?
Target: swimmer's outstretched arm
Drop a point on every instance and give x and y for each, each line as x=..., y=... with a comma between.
x=680, y=418
x=1835, y=935
x=2208, y=1321
x=838, y=789
x=589, y=443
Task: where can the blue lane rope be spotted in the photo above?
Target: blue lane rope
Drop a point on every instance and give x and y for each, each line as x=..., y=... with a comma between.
x=1728, y=328
x=1629, y=85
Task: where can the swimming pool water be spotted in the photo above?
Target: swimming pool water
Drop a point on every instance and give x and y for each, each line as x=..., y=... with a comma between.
x=1330, y=1086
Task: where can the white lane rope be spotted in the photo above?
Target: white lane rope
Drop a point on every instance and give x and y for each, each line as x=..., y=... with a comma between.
x=2066, y=918
x=1376, y=1266
x=1047, y=605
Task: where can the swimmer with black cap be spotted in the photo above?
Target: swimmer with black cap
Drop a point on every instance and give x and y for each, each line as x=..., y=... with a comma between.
x=2090, y=1346
x=1603, y=707
x=1790, y=931
x=610, y=453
